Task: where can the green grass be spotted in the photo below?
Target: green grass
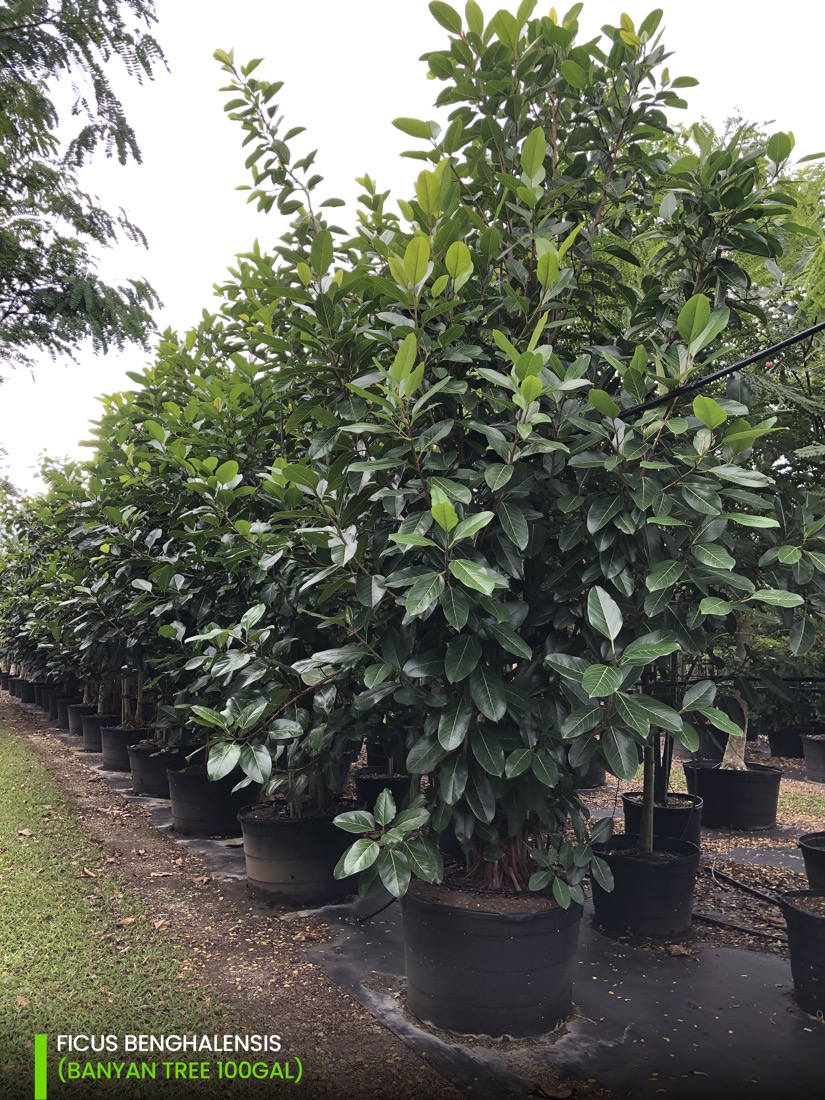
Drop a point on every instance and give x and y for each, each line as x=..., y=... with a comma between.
x=66, y=965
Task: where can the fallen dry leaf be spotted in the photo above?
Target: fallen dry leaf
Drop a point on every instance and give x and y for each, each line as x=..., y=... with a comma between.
x=159, y=925
x=161, y=874
x=22, y=1001
x=201, y=880
x=86, y=873
x=25, y=832
x=678, y=949
x=124, y=922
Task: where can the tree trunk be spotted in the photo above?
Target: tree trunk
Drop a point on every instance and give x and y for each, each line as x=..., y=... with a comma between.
x=645, y=845
x=734, y=757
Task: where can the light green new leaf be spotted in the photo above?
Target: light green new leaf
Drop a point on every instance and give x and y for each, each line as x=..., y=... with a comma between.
x=710, y=412
x=693, y=318
x=533, y=153
x=664, y=575
x=714, y=556
x=713, y=605
x=776, y=597
x=417, y=260
x=472, y=525
x=472, y=575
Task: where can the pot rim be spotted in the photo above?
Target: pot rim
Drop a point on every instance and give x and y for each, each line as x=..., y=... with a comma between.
x=789, y=897
x=716, y=765
x=689, y=850
x=442, y=904
x=696, y=800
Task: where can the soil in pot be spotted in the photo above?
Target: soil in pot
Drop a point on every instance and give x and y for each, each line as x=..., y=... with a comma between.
x=115, y=742
x=91, y=725
x=812, y=846
x=149, y=766
x=291, y=859
x=201, y=807
x=735, y=799
x=813, y=746
x=680, y=819
x=75, y=712
x=804, y=912
x=370, y=782
x=787, y=741
x=653, y=892
x=488, y=965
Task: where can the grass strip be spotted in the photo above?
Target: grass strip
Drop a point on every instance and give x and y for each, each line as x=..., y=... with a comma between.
x=78, y=954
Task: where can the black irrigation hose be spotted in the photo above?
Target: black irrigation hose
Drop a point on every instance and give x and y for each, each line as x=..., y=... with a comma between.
x=700, y=383
x=719, y=923
x=716, y=873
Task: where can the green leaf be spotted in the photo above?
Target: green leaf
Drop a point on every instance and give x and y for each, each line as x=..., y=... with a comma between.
x=574, y=74
x=209, y=717
x=640, y=712
x=424, y=755
x=463, y=654
x=603, y=613
x=693, y=318
x=472, y=525
x=601, y=680
x=355, y=821
x=545, y=769
x=425, y=860
x=713, y=605
x=417, y=260
x=452, y=778
x=413, y=127
x=385, y=808
x=479, y=797
x=444, y=515
x=802, y=636
x=453, y=724
x=533, y=152
x=600, y=870
x=642, y=652
x=456, y=607
x=777, y=597
x=227, y=472
x=487, y=750
x=256, y=762
x=719, y=719
x=603, y=403
x=448, y=17
x=745, y=520
x=472, y=575
x=620, y=753
x=561, y=892
x=321, y=254
x=394, y=869
x=779, y=147
x=458, y=260
x=710, y=412
x=750, y=479
x=664, y=575
x=424, y=593
x=508, y=638
x=487, y=691
x=497, y=476
x=223, y=758
x=514, y=524
x=581, y=721
x=517, y=762
x=360, y=855
x=714, y=556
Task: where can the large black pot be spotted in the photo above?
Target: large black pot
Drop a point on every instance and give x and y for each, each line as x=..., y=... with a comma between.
x=735, y=799
x=75, y=712
x=53, y=696
x=806, y=940
x=201, y=807
x=91, y=725
x=25, y=691
x=370, y=782
x=652, y=894
x=4, y=681
x=115, y=742
x=681, y=819
x=488, y=973
x=813, y=745
x=149, y=766
x=787, y=741
x=813, y=852
x=291, y=859
x=13, y=682
x=63, y=704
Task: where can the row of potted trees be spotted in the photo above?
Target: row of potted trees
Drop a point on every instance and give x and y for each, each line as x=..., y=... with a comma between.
x=411, y=490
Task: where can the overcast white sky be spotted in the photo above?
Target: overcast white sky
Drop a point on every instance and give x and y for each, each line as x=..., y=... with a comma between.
x=350, y=67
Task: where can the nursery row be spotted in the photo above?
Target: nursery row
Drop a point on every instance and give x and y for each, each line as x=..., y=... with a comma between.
x=432, y=488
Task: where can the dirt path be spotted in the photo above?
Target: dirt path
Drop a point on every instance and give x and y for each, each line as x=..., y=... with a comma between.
x=254, y=961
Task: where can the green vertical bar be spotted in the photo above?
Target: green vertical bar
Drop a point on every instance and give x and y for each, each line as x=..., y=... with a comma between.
x=40, y=1067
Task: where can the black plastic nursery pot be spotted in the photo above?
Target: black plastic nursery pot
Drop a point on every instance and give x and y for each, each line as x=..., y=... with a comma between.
x=480, y=971
x=91, y=725
x=4, y=681
x=291, y=859
x=681, y=819
x=63, y=704
x=115, y=742
x=804, y=912
x=52, y=699
x=371, y=781
x=75, y=713
x=735, y=799
x=25, y=691
x=149, y=766
x=13, y=682
x=201, y=807
x=812, y=846
x=653, y=893
x=813, y=746
x=787, y=741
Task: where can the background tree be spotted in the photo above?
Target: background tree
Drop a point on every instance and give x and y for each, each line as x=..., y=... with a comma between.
x=51, y=297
